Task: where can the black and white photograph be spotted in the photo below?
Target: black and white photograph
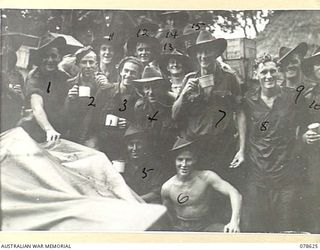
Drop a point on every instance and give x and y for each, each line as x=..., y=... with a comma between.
x=160, y=120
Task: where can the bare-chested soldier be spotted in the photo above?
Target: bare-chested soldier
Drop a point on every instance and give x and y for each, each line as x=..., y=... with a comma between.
x=186, y=195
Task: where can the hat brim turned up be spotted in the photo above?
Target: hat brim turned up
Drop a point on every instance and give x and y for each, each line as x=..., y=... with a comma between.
x=164, y=60
x=300, y=49
x=307, y=66
x=59, y=43
x=218, y=45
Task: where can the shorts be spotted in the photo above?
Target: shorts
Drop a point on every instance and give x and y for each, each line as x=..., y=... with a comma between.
x=202, y=224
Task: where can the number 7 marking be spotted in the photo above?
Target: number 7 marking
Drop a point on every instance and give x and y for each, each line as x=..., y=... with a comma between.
x=224, y=115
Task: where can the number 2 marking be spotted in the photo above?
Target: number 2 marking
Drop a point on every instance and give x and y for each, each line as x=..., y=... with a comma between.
x=224, y=115
x=91, y=103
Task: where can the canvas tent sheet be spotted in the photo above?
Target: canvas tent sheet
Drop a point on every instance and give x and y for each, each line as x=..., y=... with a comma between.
x=65, y=186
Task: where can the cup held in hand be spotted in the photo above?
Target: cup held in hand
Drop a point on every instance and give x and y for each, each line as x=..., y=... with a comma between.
x=111, y=120
x=206, y=81
x=315, y=127
x=84, y=91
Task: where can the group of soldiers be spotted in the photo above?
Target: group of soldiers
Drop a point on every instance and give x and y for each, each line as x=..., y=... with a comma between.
x=173, y=119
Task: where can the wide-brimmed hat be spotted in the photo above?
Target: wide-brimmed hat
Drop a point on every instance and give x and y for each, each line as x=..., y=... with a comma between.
x=178, y=55
x=189, y=32
x=206, y=40
x=134, y=130
x=181, y=143
x=45, y=43
x=182, y=16
x=96, y=43
x=151, y=75
x=49, y=42
x=308, y=63
x=133, y=41
x=285, y=52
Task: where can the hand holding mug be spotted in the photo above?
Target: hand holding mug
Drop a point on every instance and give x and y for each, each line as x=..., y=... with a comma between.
x=73, y=92
x=122, y=123
x=311, y=137
x=191, y=88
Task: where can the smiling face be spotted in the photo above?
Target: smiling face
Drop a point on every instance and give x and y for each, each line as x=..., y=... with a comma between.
x=144, y=52
x=129, y=72
x=106, y=53
x=175, y=67
x=50, y=59
x=292, y=68
x=206, y=57
x=88, y=64
x=136, y=148
x=185, y=163
x=267, y=74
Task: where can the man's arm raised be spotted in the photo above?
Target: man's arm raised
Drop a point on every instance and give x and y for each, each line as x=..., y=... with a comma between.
x=235, y=198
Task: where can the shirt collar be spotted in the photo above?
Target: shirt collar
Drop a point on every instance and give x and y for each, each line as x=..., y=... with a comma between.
x=256, y=95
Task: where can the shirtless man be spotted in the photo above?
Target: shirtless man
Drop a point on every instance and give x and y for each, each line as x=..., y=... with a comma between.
x=186, y=195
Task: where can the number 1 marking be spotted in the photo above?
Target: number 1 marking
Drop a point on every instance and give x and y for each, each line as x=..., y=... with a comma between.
x=48, y=89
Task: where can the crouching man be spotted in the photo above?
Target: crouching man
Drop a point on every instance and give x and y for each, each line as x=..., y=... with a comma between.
x=186, y=195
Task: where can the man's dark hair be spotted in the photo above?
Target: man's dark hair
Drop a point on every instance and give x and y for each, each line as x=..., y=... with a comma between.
x=264, y=59
x=82, y=52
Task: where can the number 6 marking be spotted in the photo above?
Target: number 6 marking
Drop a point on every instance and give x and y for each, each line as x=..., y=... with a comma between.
x=182, y=200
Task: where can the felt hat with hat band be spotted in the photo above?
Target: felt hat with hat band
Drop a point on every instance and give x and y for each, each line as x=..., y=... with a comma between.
x=151, y=75
x=206, y=40
x=285, y=52
x=179, y=56
x=133, y=41
x=134, y=130
x=308, y=63
x=47, y=42
x=181, y=143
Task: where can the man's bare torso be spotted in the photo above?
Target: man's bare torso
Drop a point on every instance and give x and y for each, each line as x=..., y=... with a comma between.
x=190, y=199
